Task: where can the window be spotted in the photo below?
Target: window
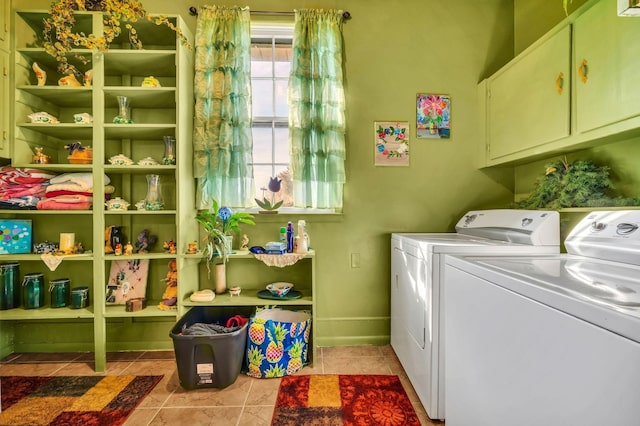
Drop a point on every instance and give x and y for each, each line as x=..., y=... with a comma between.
x=270, y=67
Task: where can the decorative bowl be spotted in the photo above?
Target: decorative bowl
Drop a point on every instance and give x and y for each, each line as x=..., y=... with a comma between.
x=279, y=289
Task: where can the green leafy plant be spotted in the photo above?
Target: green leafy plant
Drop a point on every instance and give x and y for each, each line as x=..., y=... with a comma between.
x=219, y=223
x=580, y=184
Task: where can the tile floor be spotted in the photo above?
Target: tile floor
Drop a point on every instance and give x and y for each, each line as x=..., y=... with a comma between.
x=247, y=402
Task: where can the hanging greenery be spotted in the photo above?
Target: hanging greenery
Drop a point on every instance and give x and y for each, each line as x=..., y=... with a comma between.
x=60, y=39
x=580, y=184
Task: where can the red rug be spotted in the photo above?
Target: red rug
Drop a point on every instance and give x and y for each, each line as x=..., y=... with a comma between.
x=343, y=400
x=71, y=400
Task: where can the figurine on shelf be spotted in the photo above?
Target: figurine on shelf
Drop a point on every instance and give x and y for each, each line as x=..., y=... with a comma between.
x=40, y=157
x=128, y=249
x=245, y=242
x=150, y=81
x=41, y=75
x=83, y=118
x=43, y=117
x=170, y=295
x=169, y=246
x=144, y=241
x=118, y=249
x=113, y=237
x=148, y=161
x=69, y=80
x=79, y=154
x=117, y=204
x=88, y=78
x=120, y=160
x=192, y=247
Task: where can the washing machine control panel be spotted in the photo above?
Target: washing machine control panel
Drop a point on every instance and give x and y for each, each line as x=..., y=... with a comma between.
x=611, y=235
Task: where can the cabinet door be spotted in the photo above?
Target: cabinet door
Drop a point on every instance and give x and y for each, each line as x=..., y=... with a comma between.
x=528, y=100
x=5, y=10
x=607, y=54
x=5, y=104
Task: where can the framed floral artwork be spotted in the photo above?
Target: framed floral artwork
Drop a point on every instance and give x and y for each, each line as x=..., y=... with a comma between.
x=391, y=143
x=433, y=118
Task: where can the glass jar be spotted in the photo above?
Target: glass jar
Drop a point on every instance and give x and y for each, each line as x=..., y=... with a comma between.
x=60, y=291
x=79, y=297
x=153, y=200
x=124, y=111
x=169, y=157
x=33, y=290
x=9, y=286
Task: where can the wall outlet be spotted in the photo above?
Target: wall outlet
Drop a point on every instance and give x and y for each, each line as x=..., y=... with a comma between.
x=355, y=260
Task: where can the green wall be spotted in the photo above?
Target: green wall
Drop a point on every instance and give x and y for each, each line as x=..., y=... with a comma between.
x=533, y=18
x=393, y=51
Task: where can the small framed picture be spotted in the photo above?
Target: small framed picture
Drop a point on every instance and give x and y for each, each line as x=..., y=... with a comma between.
x=433, y=117
x=391, y=143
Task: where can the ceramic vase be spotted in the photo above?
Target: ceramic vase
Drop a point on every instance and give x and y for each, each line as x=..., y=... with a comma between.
x=221, y=278
x=153, y=200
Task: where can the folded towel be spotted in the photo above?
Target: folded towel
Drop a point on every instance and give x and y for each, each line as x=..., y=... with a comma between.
x=23, y=203
x=52, y=204
x=83, y=180
x=18, y=175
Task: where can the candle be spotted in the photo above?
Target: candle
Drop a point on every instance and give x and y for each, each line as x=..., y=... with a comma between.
x=67, y=242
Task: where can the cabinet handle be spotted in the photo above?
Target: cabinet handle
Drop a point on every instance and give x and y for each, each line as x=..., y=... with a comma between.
x=583, y=71
x=560, y=83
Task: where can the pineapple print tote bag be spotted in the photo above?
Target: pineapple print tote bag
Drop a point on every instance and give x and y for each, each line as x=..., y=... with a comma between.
x=277, y=342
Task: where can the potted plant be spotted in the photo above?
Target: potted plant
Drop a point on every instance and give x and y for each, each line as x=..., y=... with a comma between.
x=60, y=39
x=219, y=224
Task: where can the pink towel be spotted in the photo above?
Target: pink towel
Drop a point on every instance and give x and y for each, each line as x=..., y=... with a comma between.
x=52, y=204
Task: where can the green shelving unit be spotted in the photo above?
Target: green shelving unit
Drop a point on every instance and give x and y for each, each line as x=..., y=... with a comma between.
x=157, y=112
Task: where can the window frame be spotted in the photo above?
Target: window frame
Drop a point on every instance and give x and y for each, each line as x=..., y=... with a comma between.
x=277, y=31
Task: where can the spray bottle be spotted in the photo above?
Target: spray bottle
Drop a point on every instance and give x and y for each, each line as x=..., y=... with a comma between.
x=303, y=241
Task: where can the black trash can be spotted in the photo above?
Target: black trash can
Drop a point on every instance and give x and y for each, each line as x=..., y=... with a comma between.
x=211, y=361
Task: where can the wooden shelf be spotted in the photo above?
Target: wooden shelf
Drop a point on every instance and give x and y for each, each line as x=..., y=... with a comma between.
x=64, y=131
x=152, y=310
x=248, y=298
x=46, y=314
x=140, y=97
x=138, y=131
x=62, y=95
x=157, y=111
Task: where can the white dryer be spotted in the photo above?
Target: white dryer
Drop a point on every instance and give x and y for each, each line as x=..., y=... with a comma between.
x=417, y=268
x=552, y=340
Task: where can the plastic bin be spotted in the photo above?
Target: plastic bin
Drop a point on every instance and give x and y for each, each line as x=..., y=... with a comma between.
x=208, y=361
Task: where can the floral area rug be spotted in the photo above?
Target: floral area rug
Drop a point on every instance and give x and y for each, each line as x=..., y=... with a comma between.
x=71, y=400
x=343, y=400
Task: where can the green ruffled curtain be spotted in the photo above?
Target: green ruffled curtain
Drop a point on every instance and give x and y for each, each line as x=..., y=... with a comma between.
x=316, y=110
x=222, y=139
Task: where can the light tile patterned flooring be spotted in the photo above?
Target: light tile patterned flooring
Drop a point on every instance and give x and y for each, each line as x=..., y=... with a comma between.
x=248, y=401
